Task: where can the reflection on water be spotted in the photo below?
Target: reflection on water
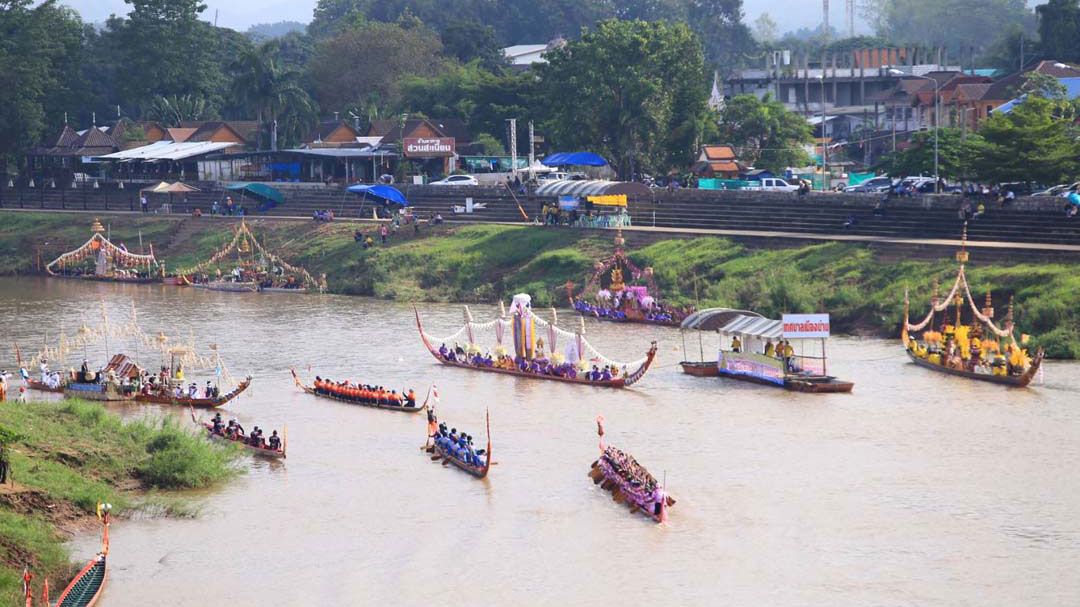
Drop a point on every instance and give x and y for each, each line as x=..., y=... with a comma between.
x=916, y=489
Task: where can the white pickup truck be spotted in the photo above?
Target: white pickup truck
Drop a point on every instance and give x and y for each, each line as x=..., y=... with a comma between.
x=774, y=184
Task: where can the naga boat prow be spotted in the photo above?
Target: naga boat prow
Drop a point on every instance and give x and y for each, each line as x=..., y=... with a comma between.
x=981, y=350
x=441, y=446
x=528, y=359
x=356, y=396
x=628, y=481
x=619, y=291
x=86, y=587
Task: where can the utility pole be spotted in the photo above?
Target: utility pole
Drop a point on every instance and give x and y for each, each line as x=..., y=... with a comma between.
x=532, y=149
x=513, y=145
x=825, y=21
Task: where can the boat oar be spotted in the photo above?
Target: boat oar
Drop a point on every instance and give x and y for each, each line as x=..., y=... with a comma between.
x=618, y=496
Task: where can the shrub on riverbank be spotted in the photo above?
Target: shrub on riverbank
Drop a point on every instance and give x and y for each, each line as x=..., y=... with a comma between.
x=70, y=455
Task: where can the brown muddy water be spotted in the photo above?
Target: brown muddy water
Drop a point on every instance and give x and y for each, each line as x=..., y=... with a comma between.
x=917, y=489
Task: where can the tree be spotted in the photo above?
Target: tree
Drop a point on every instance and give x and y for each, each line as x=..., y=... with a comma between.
x=633, y=91
x=172, y=110
x=163, y=49
x=728, y=42
x=1036, y=141
x=765, y=133
x=471, y=40
x=489, y=145
x=765, y=29
x=956, y=153
x=483, y=99
x=368, y=64
x=1059, y=30
x=272, y=93
x=332, y=16
x=40, y=60
x=958, y=25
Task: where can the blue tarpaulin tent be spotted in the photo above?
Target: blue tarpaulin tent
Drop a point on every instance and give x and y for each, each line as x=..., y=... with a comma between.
x=385, y=193
x=270, y=196
x=574, y=159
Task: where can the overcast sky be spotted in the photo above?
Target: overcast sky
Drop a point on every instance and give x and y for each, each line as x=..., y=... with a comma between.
x=239, y=14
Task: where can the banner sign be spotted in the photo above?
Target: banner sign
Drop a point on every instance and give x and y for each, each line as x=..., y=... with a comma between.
x=806, y=326
x=758, y=366
x=435, y=147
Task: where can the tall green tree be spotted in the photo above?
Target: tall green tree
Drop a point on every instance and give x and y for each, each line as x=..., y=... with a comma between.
x=957, y=152
x=1059, y=29
x=958, y=25
x=729, y=44
x=633, y=91
x=164, y=49
x=472, y=41
x=483, y=99
x=272, y=92
x=1036, y=141
x=366, y=65
x=40, y=61
x=764, y=133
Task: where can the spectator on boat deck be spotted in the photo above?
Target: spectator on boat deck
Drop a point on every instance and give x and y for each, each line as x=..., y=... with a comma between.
x=769, y=348
x=275, y=441
x=736, y=344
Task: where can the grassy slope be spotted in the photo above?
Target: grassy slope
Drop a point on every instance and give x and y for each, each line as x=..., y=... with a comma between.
x=75, y=454
x=485, y=262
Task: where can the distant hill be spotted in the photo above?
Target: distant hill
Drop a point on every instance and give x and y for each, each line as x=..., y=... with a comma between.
x=266, y=31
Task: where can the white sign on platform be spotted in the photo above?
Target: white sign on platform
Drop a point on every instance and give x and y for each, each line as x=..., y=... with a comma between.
x=806, y=326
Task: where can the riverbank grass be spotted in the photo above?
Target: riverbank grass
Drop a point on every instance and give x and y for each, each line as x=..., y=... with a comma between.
x=70, y=455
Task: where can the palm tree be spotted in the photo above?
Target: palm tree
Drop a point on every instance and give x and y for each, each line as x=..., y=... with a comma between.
x=263, y=87
x=171, y=111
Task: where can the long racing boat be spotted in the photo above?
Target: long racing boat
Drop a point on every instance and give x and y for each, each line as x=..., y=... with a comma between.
x=628, y=481
x=86, y=587
x=357, y=399
x=579, y=363
x=441, y=447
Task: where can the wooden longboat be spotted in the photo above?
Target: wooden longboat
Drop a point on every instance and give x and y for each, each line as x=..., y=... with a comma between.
x=298, y=290
x=476, y=471
x=86, y=587
x=634, y=491
x=34, y=384
x=700, y=369
x=311, y=390
x=198, y=403
x=630, y=317
x=630, y=378
x=263, y=451
x=1016, y=381
x=228, y=286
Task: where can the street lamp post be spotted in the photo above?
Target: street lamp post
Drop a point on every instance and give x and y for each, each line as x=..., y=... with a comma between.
x=937, y=120
x=824, y=138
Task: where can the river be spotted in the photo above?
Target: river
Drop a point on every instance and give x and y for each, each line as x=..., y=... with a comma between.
x=917, y=489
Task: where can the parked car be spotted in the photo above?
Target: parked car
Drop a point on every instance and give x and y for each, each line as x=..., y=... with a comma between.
x=1020, y=188
x=774, y=184
x=1058, y=190
x=553, y=176
x=872, y=185
x=457, y=180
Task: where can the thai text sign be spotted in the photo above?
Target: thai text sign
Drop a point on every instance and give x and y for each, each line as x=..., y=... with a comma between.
x=749, y=364
x=806, y=326
x=434, y=147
